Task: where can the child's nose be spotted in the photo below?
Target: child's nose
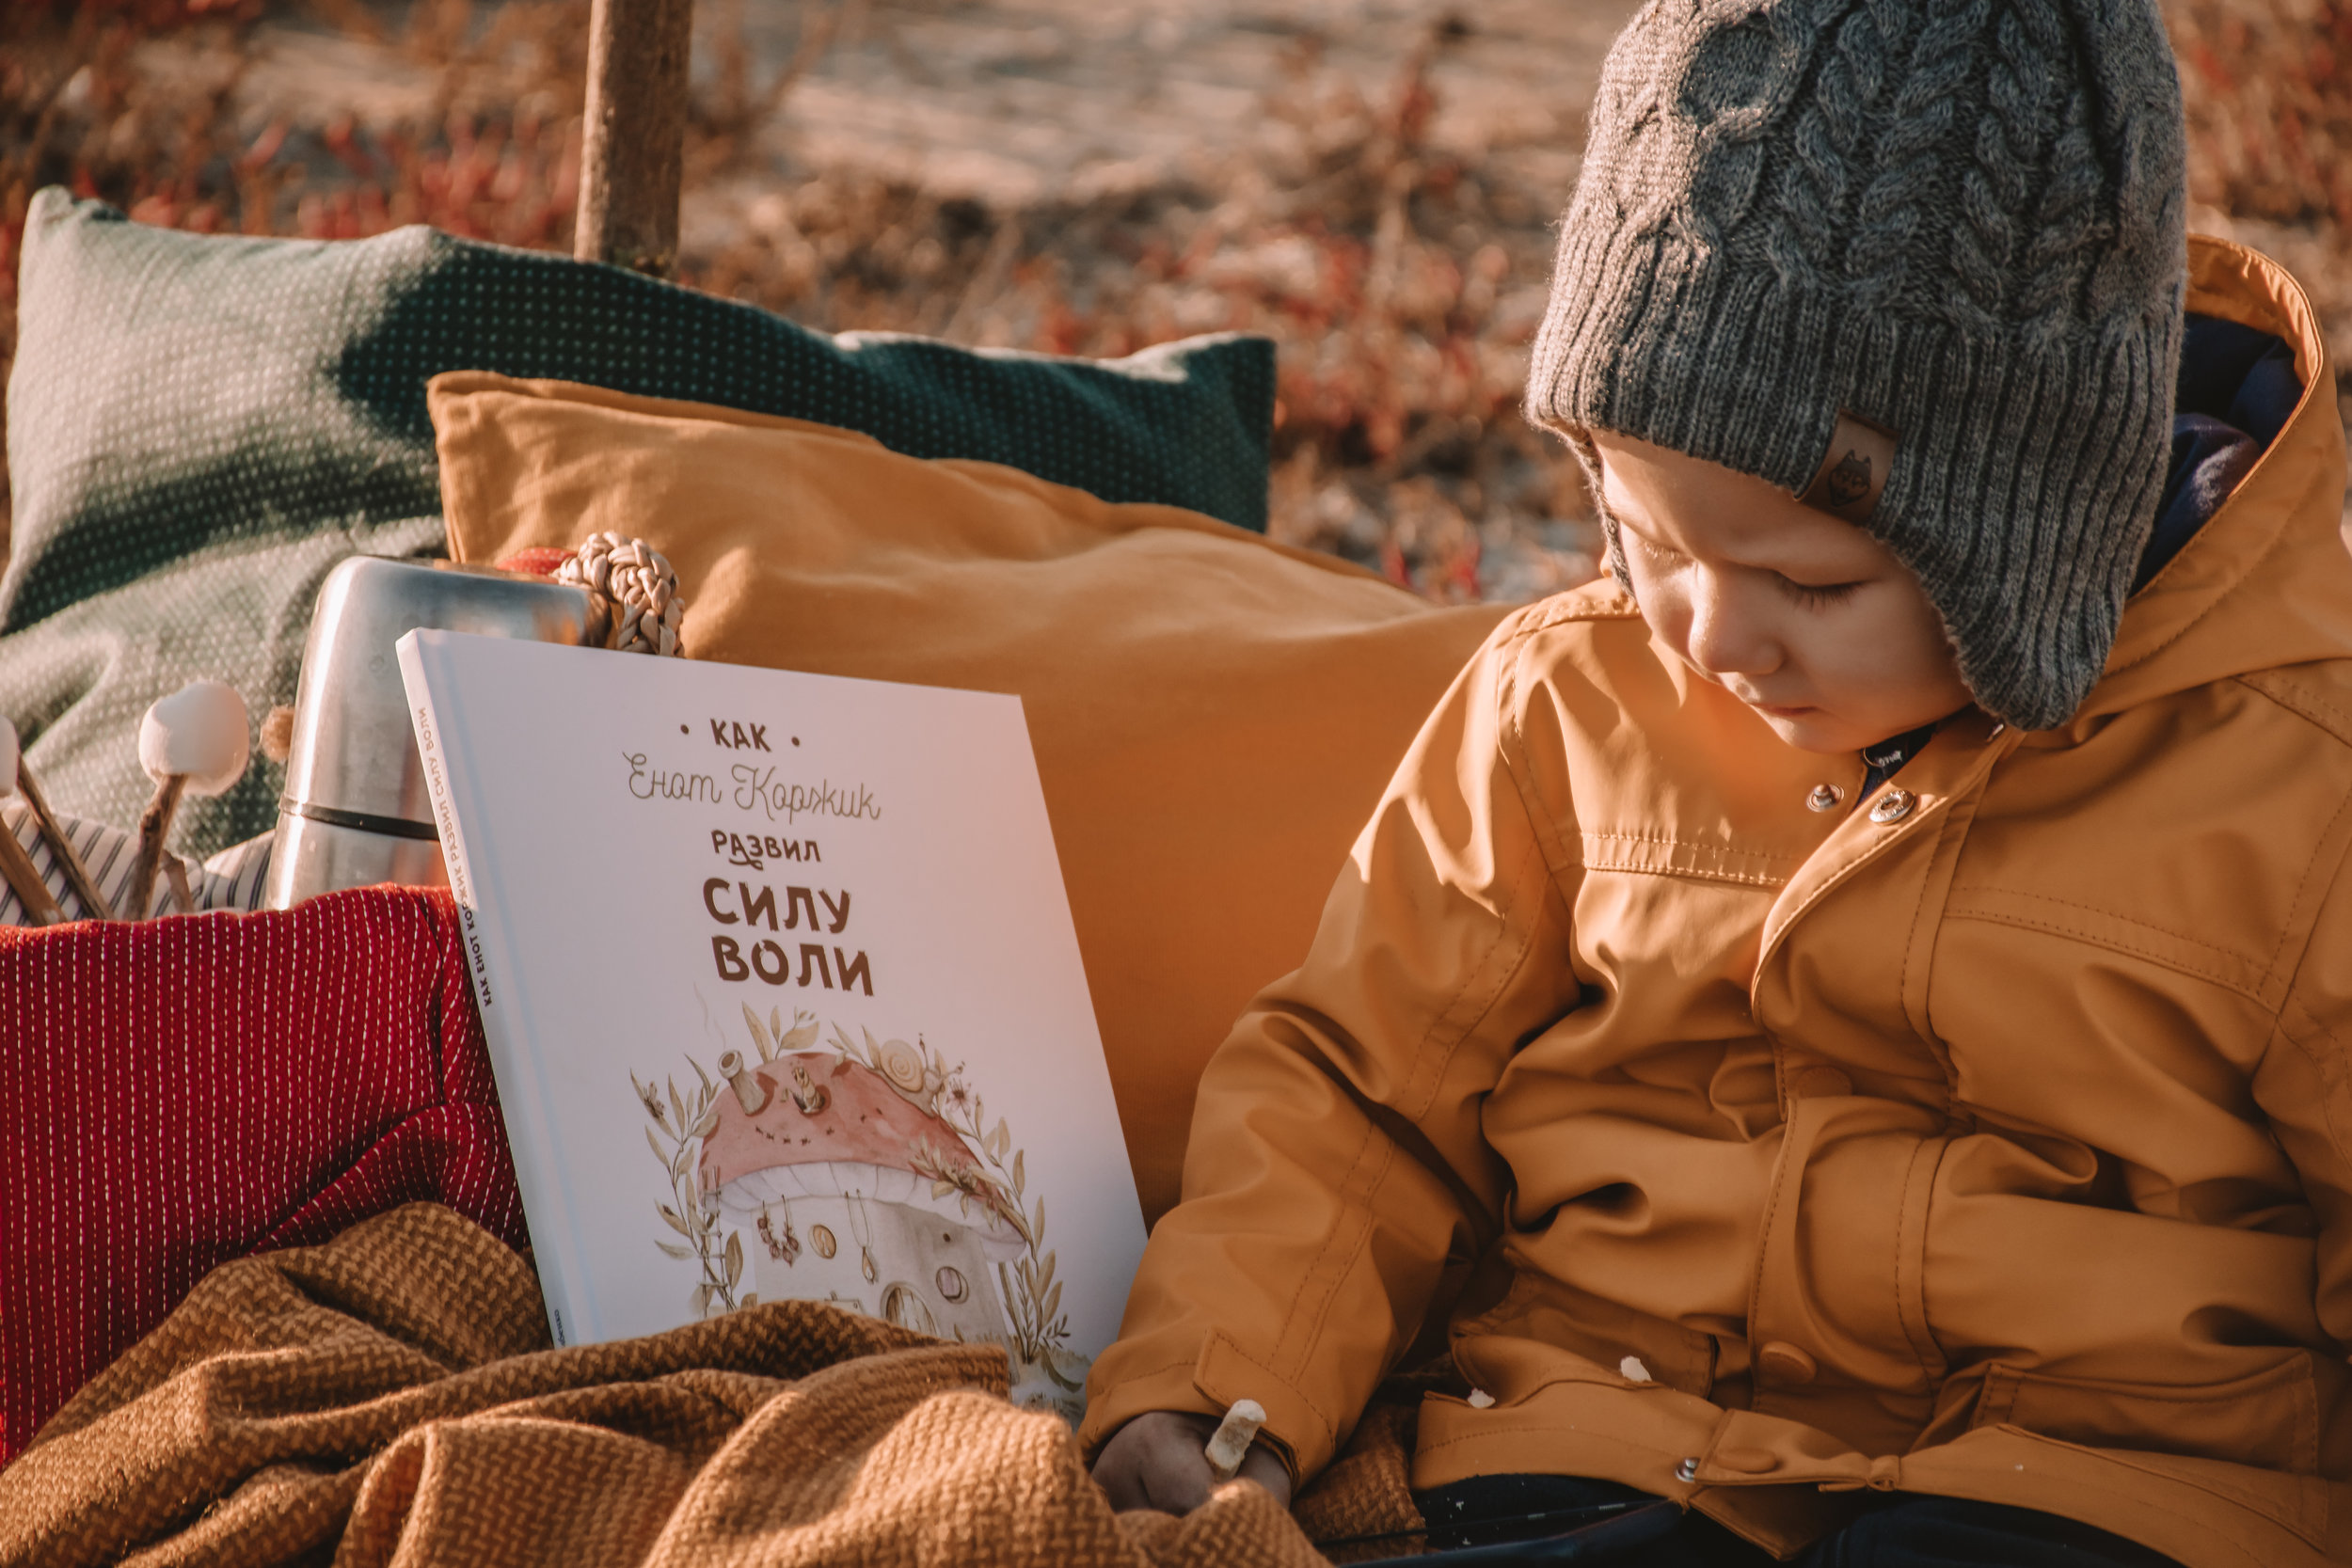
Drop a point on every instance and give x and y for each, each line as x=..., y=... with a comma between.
x=1728, y=637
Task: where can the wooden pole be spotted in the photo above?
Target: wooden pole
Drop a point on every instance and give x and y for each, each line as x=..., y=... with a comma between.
x=633, y=157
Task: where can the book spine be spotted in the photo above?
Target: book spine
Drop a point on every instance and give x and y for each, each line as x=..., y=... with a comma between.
x=516, y=1064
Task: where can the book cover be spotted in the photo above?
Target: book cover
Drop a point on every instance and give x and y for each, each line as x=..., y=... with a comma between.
x=781, y=996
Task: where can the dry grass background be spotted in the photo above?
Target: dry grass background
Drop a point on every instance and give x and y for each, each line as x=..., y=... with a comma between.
x=1401, y=276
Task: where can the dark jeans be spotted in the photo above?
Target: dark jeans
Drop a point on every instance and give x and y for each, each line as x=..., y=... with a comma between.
x=1901, y=1532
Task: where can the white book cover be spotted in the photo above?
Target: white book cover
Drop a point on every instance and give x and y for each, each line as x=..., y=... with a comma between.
x=781, y=996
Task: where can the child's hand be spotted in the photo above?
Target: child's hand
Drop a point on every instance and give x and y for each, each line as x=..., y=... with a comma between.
x=1155, y=1461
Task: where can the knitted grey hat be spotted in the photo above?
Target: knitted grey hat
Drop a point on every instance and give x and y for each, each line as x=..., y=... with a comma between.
x=1919, y=262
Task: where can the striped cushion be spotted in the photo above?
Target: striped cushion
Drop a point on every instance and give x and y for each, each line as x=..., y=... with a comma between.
x=230, y=880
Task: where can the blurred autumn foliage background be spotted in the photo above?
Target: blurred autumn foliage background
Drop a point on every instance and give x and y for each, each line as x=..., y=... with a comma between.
x=1374, y=193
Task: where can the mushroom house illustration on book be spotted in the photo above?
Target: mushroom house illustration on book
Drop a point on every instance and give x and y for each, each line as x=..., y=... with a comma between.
x=858, y=1173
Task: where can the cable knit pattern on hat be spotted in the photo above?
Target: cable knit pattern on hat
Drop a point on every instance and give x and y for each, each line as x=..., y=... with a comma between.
x=1960, y=219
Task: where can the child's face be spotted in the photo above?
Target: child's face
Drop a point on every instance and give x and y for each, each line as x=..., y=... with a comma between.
x=1801, y=615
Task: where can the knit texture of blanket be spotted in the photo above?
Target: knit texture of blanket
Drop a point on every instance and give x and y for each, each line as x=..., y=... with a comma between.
x=389, y=1398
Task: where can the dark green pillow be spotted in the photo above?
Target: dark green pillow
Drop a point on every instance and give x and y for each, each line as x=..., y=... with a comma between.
x=200, y=427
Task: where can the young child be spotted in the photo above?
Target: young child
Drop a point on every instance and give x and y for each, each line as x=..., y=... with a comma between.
x=1845, y=1026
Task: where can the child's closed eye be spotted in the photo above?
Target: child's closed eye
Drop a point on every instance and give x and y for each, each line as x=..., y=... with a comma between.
x=1652, y=549
x=1812, y=595
x=1818, y=596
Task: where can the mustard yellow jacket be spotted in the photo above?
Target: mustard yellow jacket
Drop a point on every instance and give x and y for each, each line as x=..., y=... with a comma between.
x=1990, y=1139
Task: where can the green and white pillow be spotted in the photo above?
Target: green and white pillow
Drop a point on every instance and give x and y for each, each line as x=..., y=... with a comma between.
x=200, y=428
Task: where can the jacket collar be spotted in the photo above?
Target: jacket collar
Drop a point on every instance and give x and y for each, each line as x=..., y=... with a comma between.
x=2266, y=581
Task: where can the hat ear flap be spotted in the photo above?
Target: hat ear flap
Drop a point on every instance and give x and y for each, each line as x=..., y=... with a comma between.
x=1580, y=441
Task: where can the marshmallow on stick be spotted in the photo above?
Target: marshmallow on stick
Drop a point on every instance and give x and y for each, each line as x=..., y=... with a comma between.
x=194, y=741
x=85, y=886
x=16, y=866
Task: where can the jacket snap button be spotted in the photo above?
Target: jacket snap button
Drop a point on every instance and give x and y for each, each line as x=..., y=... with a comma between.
x=1785, y=1363
x=1688, y=1470
x=1824, y=798
x=1893, y=806
x=1748, y=1462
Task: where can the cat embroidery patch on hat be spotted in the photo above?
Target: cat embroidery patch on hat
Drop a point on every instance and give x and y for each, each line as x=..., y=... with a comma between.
x=1855, y=471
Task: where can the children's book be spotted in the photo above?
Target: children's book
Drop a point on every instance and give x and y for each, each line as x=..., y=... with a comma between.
x=781, y=996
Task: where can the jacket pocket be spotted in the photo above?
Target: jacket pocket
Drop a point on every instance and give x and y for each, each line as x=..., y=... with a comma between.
x=1545, y=1331
x=2269, y=1419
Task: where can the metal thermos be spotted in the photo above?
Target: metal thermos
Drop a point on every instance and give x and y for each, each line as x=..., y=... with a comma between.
x=355, y=811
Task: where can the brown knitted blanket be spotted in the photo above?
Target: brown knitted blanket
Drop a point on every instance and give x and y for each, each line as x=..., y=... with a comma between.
x=389, y=1398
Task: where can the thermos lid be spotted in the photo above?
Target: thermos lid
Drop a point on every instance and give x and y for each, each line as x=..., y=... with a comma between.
x=354, y=756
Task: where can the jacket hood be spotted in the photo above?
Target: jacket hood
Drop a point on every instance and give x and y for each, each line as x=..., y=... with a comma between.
x=2267, y=580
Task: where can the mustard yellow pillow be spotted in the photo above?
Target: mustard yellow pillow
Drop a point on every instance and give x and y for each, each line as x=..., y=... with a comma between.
x=1214, y=715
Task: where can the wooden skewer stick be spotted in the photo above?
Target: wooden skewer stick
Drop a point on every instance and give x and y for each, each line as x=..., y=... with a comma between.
x=176, y=875
x=1233, y=1438
x=155, y=822
x=16, y=866
x=41, y=906
x=77, y=876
